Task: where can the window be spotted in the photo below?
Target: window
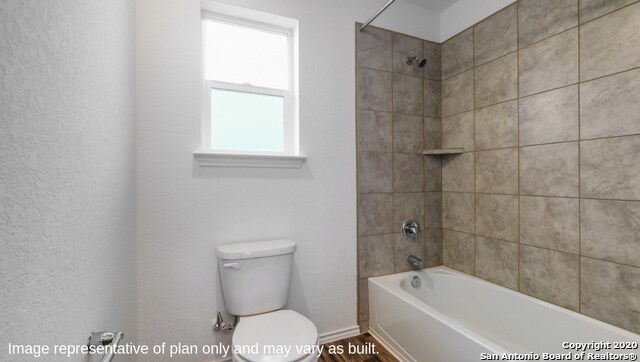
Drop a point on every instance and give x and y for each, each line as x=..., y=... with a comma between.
x=248, y=88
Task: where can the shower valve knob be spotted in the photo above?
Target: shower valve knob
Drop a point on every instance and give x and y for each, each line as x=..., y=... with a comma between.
x=410, y=229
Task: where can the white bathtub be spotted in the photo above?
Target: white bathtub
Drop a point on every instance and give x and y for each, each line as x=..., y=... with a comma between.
x=453, y=316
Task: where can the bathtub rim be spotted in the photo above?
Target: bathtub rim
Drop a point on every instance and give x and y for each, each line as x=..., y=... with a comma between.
x=391, y=283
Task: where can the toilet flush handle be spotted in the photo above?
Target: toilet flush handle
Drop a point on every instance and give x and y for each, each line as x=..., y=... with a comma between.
x=234, y=266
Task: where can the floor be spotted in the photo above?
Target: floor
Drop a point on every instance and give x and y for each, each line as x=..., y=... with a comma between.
x=362, y=348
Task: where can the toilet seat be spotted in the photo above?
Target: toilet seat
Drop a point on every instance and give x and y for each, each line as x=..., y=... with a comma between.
x=280, y=328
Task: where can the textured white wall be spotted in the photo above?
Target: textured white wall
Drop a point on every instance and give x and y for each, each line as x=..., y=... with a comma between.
x=184, y=211
x=67, y=172
x=465, y=13
x=402, y=16
x=67, y=168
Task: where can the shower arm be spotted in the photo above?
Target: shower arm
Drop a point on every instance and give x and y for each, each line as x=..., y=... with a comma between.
x=372, y=18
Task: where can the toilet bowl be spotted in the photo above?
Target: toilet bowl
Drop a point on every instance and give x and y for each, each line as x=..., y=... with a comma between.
x=283, y=335
x=256, y=278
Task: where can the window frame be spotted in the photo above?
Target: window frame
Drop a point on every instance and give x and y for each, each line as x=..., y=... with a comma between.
x=290, y=147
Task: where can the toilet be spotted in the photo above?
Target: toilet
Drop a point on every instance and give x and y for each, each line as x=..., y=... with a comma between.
x=256, y=278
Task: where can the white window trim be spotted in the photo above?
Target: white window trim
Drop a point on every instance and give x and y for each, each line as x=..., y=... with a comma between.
x=289, y=157
x=208, y=159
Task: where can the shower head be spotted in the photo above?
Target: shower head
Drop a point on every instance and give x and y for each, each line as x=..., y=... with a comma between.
x=420, y=62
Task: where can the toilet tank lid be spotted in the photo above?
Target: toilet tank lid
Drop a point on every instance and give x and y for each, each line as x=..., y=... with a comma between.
x=256, y=249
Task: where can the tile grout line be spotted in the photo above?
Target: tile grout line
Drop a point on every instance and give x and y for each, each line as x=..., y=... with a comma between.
x=475, y=185
x=605, y=14
x=611, y=262
x=543, y=91
x=393, y=150
x=606, y=75
x=579, y=170
x=422, y=161
x=550, y=36
x=637, y=267
x=527, y=195
x=440, y=161
x=394, y=72
x=518, y=141
x=509, y=53
x=521, y=146
x=358, y=195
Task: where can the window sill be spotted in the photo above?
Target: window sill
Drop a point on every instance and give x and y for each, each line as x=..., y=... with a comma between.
x=208, y=159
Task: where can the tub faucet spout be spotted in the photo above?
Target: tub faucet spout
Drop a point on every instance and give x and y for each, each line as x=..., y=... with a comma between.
x=415, y=262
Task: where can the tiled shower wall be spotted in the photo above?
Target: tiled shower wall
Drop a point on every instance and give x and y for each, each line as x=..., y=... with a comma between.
x=398, y=116
x=544, y=96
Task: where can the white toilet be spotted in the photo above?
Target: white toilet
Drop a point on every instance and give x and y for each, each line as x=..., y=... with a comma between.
x=256, y=277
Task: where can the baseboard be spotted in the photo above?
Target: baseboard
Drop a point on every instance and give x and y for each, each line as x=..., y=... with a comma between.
x=339, y=334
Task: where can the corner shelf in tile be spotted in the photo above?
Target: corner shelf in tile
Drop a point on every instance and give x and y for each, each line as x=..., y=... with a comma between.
x=443, y=151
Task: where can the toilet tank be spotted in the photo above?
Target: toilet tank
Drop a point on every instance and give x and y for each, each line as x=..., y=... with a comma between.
x=256, y=276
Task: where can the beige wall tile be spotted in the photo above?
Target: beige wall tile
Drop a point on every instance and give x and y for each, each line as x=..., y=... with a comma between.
x=539, y=19
x=611, y=292
x=549, y=170
x=407, y=133
x=408, y=95
x=375, y=172
x=375, y=255
x=550, y=275
x=610, y=106
x=432, y=173
x=458, y=251
x=496, y=81
x=551, y=223
x=408, y=173
x=433, y=247
x=374, y=48
x=591, y=9
x=363, y=300
x=375, y=214
x=432, y=98
x=457, y=131
x=610, y=44
x=497, y=171
x=433, y=54
x=611, y=230
x=374, y=90
x=497, y=262
x=364, y=326
x=609, y=168
x=549, y=117
x=433, y=210
x=374, y=131
x=497, y=126
x=457, y=54
x=408, y=206
x=457, y=94
x=458, y=173
x=549, y=64
x=496, y=36
x=406, y=46
x=457, y=211
x=432, y=133
x=482, y=114
x=497, y=216
x=403, y=248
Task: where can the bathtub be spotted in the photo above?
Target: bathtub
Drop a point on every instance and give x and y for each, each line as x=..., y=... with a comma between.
x=453, y=316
